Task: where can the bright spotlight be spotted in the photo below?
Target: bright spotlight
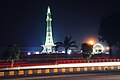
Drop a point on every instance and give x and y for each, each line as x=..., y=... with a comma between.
x=36, y=52
x=69, y=51
x=29, y=53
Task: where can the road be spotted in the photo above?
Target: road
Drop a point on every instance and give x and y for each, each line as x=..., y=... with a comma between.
x=91, y=76
x=66, y=65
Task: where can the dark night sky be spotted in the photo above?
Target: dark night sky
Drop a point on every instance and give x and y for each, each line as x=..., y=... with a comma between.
x=23, y=21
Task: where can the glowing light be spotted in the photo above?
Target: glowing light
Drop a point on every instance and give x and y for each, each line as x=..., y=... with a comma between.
x=91, y=42
x=29, y=53
x=107, y=48
x=69, y=51
x=37, y=52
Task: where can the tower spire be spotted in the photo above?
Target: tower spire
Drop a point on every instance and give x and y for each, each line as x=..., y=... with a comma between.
x=48, y=10
x=49, y=38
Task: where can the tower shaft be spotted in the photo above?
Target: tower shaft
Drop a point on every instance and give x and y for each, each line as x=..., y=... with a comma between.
x=49, y=38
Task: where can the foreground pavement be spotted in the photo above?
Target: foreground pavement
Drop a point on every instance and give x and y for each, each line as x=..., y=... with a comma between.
x=85, y=76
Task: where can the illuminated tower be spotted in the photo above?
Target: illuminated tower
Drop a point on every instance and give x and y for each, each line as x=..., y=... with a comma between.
x=47, y=48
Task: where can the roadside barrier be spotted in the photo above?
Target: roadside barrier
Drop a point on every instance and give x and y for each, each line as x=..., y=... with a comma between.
x=21, y=64
x=87, y=61
x=47, y=71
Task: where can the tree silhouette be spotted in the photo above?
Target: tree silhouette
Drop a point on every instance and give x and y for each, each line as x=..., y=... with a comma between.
x=109, y=29
x=12, y=53
x=86, y=49
x=67, y=43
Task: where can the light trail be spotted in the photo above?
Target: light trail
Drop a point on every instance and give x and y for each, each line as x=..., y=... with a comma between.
x=66, y=65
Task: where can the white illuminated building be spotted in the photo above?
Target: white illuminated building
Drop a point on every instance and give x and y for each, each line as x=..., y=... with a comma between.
x=47, y=47
x=98, y=48
x=101, y=47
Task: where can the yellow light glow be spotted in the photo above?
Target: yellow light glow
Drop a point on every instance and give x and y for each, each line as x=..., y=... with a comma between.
x=107, y=48
x=91, y=42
